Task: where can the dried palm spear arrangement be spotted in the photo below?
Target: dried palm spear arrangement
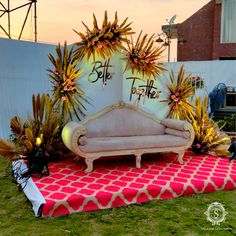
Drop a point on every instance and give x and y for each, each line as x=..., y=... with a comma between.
x=68, y=97
x=209, y=138
x=180, y=91
x=38, y=136
x=142, y=57
x=102, y=41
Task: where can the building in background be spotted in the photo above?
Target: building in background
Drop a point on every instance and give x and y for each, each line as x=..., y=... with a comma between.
x=209, y=34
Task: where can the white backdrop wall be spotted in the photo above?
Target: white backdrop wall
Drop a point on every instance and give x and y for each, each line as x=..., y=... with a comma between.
x=102, y=92
x=212, y=72
x=23, y=72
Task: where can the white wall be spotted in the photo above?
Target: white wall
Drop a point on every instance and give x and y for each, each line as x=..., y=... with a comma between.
x=213, y=72
x=23, y=72
x=102, y=95
x=151, y=97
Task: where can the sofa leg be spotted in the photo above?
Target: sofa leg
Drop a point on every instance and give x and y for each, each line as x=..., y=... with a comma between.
x=138, y=160
x=89, y=163
x=180, y=157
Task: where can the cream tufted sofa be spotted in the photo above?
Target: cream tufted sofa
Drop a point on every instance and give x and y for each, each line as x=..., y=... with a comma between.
x=122, y=129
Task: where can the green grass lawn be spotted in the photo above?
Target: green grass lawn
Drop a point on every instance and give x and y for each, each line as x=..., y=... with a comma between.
x=180, y=216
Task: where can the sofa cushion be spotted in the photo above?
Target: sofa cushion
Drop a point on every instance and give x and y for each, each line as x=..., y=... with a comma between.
x=123, y=122
x=103, y=144
x=174, y=124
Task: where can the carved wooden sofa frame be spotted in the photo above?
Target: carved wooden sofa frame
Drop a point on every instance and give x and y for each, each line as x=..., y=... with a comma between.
x=73, y=131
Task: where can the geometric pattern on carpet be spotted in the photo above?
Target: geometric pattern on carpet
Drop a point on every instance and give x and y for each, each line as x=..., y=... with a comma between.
x=116, y=182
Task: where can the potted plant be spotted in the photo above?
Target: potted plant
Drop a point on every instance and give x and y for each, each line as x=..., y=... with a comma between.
x=38, y=139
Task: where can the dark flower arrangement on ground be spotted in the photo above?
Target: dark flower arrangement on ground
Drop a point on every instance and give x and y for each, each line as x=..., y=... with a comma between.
x=179, y=95
x=142, y=57
x=68, y=97
x=38, y=139
x=102, y=41
x=209, y=138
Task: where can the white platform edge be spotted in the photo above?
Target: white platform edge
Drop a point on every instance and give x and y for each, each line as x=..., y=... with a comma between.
x=30, y=189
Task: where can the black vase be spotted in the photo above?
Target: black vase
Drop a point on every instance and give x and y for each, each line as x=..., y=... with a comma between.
x=198, y=150
x=38, y=163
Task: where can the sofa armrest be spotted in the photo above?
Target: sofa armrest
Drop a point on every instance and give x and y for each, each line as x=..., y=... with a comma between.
x=73, y=135
x=82, y=140
x=180, y=125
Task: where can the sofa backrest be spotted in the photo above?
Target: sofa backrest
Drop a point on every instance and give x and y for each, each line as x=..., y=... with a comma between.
x=123, y=122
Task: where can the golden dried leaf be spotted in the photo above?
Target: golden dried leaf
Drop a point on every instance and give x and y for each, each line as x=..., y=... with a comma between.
x=17, y=126
x=9, y=150
x=28, y=144
x=29, y=134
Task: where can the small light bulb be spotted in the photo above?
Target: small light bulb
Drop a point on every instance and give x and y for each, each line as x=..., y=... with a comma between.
x=38, y=141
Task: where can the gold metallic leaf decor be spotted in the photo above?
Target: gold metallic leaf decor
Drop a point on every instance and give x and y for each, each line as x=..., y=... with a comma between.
x=180, y=92
x=142, y=57
x=102, y=41
x=209, y=138
x=68, y=96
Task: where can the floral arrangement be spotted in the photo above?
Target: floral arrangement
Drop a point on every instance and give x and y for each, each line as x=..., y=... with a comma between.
x=38, y=139
x=180, y=92
x=142, y=57
x=68, y=97
x=102, y=41
x=208, y=136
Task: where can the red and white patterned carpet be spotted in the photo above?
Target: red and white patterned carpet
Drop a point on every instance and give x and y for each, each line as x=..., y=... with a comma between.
x=116, y=182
